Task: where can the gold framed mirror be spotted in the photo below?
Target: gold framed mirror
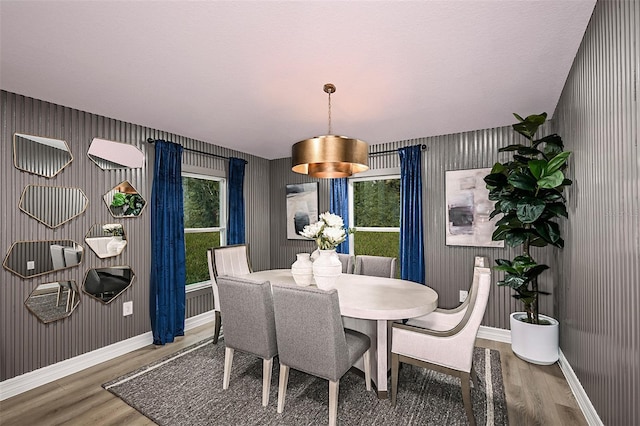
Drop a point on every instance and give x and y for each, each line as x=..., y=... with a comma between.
x=53, y=301
x=106, y=240
x=52, y=205
x=111, y=155
x=29, y=259
x=106, y=284
x=123, y=200
x=40, y=155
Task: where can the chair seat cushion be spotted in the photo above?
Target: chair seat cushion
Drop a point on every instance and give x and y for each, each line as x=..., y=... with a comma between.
x=357, y=343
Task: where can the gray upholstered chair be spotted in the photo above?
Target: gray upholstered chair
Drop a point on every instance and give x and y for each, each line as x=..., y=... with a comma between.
x=230, y=261
x=449, y=348
x=376, y=266
x=347, y=263
x=311, y=339
x=247, y=307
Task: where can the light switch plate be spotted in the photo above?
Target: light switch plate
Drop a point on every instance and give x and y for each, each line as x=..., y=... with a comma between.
x=31, y=265
x=463, y=295
x=127, y=308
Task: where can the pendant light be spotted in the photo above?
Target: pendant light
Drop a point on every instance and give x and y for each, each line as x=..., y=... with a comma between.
x=329, y=156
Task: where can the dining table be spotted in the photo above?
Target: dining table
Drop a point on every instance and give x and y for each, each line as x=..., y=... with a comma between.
x=370, y=305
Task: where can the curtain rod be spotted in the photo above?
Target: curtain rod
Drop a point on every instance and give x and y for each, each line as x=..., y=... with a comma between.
x=423, y=147
x=152, y=141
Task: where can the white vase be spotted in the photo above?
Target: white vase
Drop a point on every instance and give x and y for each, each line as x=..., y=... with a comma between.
x=326, y=269
x=115, y=245
x=535, y=343
x=302, y=270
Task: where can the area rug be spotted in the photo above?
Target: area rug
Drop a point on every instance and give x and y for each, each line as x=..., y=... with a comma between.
x=186, y=389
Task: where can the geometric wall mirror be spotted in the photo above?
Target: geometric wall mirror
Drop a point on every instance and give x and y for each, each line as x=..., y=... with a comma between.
x=52, y=205
x=105, y=284
x=29, y=259
x=106, y=240
x=41, y=156
x=124, y=201
x=53, y=301
x=109, y=155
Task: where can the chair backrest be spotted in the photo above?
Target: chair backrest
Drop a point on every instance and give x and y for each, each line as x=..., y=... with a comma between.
x=57, y=256
x=231, y=260
x=347, y=263
x=214, y=283
x=247, y=309
x=310, y=333
x=376, y=266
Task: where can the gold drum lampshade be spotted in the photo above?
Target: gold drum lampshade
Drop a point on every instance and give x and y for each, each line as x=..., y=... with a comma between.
x=330, y=156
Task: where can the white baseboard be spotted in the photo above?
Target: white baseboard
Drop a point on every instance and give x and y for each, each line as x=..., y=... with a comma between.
x=589, y=411
x=50, y=373
x=492, y=333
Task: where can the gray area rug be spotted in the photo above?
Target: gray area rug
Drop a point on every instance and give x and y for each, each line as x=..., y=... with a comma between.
x=186, y=389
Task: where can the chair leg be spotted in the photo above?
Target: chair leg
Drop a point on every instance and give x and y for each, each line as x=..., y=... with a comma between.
x=228, y=361
x=267, y=365
x=333, y=402
x=282, y=386
x=474, y=377
x=466, y=397
x=395, y=364
x=366, y=359
x=216, y=332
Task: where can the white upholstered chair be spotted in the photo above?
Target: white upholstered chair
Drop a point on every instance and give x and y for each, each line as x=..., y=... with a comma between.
x=311, y=339
x=376, y=266
x=347, y=263
x=250, y=327
x=228, y=260
x=449, y=348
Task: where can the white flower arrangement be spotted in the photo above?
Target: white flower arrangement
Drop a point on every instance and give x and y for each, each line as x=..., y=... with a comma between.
x=328, y=232
x=115, y=229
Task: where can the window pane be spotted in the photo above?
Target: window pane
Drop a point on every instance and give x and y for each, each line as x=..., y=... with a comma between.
x=376, y=203
x=201, y=202
x=196, y=244
x=377, y=243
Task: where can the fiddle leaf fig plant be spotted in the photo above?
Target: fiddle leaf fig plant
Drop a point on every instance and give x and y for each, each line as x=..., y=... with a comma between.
x=528, y=193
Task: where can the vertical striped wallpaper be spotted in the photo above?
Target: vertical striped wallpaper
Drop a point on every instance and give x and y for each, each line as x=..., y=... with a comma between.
x=599, y=278
x=27, y=344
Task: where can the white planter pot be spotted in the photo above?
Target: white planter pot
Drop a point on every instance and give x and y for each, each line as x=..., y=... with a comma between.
x=302, y=270
x=535, y=343
x=326, y=269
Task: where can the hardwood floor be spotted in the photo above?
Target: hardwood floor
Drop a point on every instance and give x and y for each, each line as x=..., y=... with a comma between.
x=536, y=395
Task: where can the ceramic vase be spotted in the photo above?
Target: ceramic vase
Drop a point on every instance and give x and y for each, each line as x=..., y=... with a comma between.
x=535, y=343
x=326, y=269
x=302, y=270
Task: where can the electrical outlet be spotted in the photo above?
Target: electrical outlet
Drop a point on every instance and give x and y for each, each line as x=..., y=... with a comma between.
x=463, y=295
x=127, y=308
x=31, y=265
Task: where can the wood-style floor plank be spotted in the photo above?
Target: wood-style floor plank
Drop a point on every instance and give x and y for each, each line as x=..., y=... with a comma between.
x=535, y=395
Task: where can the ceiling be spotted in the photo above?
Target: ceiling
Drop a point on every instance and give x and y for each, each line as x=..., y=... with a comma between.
x=249, y=75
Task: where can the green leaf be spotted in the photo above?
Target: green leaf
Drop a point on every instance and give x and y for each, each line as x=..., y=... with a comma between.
x=498, y=168
x=557, y=209
x=537, y=167
x=522, y=181
x=530, y=209
x=509, y=148
x=496, y=179
x=535, y=271
x=551, y=181
x=526, y=150
x=518, y=117
x=515, y=237
x=557, y=162
x=529, y=126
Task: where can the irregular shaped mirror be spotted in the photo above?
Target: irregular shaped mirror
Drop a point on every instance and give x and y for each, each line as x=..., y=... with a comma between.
x=29, y=259
x=53, y=301
x=109, y=155
x=124, y=201
x=106, y=240
x=105, y=284
x=39, y=155
x=52, y=205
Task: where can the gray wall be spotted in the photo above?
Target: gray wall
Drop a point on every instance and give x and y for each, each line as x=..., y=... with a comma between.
x=599, y=270
x=28, y=344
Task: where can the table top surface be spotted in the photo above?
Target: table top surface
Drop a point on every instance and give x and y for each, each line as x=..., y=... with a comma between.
x=366, y=297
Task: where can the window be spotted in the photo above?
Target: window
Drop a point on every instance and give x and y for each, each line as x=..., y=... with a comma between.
x=374, y=211
x=204, y=201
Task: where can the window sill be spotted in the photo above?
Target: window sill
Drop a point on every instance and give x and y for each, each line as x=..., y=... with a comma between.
x=197, y=286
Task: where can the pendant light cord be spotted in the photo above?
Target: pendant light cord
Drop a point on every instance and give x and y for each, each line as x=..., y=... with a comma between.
x=329, y=133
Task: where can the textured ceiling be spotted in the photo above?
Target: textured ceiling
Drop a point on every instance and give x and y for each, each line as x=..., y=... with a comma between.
x=249, y=75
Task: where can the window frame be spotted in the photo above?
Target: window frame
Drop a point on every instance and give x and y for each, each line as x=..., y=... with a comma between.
x=380, y=174
x=223, y=220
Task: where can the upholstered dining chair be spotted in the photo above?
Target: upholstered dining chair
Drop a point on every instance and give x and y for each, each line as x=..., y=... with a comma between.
x=247, y=307
x=347, y=263
x=450, y=348
x=376, y=266
x=311, y=339
x=228, y=260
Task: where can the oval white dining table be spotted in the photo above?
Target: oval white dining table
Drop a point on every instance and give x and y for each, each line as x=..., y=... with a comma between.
x=369, y=305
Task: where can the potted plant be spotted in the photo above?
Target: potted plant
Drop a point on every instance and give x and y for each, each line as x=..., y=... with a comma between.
x=528, y=193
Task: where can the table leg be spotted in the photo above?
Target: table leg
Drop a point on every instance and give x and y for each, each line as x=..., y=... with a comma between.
x=383, y=359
